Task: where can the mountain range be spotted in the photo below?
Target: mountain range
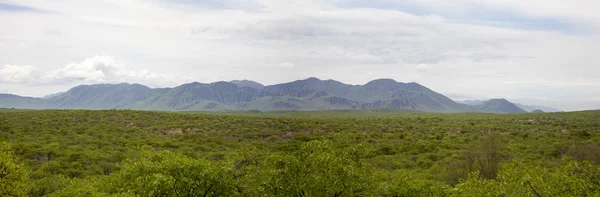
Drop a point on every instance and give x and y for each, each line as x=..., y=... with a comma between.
x=306, y=94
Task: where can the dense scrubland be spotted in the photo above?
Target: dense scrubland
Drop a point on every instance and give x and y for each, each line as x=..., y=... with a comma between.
x=328, y=153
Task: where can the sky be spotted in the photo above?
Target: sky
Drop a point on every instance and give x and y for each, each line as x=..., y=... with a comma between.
x=542, y=52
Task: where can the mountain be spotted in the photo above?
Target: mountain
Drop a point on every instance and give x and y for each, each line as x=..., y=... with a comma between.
x=51, y=95
x=499, y=106
x=307, y=94
x=247, y=83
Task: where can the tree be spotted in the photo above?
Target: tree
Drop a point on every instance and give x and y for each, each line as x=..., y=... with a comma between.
x=318, y=169
x=484, y=156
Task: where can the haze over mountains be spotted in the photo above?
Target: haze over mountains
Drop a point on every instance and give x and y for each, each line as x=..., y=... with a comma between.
x=307, y=94
x=52, y=95
x=529, y=108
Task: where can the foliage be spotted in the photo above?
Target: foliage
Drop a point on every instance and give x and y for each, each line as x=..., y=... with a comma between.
x=400, y=184
x=484, y=156
x=328, y=153
x=518, y=179
x=318, y=169
x=168, y=174
x=13, y=175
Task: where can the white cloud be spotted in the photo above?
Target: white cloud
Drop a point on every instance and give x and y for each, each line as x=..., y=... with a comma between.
x=368, y=58
x=16, y=73
x=97, y=69
x=106, y=69
x=422, y=67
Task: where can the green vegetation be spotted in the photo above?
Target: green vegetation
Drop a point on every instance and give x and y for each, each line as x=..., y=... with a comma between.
x=327, y=153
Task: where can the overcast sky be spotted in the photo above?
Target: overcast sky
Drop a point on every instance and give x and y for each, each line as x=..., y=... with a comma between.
x=544, y=52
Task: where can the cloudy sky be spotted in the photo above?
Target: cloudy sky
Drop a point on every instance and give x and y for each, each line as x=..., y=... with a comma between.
x=535, y=52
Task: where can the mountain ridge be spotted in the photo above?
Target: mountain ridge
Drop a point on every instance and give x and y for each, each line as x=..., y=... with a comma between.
x=247, y=83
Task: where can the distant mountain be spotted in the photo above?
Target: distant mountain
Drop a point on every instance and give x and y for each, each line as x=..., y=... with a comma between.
x=14, y=101
x=52, y=95
x=381, y=93
x=528, y=108
x=531, y=108
x=247, y=83
x=101, y=96
x=499, y=106
x=198, y=96
x=306, y=94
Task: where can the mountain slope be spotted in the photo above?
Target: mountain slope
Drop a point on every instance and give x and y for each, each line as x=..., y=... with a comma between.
x=52, y=95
